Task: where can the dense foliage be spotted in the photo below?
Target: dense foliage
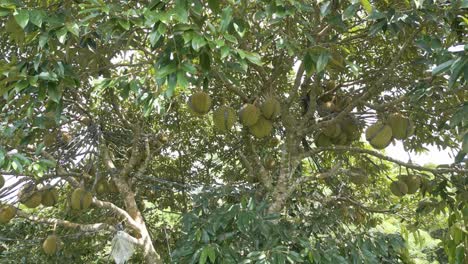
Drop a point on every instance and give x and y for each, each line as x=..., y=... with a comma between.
x=124, y=114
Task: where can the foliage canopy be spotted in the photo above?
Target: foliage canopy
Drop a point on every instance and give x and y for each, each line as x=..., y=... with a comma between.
x=107, y=100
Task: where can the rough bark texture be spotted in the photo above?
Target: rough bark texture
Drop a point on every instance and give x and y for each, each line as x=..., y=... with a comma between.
x=149, y=252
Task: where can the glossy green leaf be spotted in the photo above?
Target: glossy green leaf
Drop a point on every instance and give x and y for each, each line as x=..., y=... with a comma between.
x=22, y=17
x=73, y=28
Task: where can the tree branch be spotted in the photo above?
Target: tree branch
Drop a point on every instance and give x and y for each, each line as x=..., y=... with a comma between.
x=384, y=157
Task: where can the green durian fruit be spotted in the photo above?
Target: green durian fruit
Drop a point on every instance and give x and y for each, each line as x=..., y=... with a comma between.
x=379, y=135
x=224, y=118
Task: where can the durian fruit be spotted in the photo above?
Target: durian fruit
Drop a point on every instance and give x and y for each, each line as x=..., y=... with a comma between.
x=379, y=135
x=81, y=199
x=271, y=108
x=322, y=141
x=332, y=130
x=412, y=181
x=50, y=139
x=66, y=137
x=359, y=217
x=49, y=196
x=399, y=188
x=275, y=141
x=402, y=126
x=200, y=102
x=30, y=196
x=2, y=181
x=163, y=138
x=262, y=128
x=51, y=244
x=49, y=120
x=358, y=176
x=341, y=140
x=7, y=212
x=249, y=115
x=224, y=118
x=102, y=186
x=350, y=126
x=327, y=108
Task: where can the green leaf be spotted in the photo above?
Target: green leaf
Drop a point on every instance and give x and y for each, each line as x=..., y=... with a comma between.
x=43, y=40
x=350, y=11
x=214, y=5
x=166, y=70
x=465, y=143
x=211, y=254
x=205, y=61
x=2, y=157
x=182, y=79
x=353, y=67
x=124, y=23
x=54, y=93
x=225, y=51
x=36, y=17
x=181, y=9
x=251, y=56
x=442, y=67
x=154, y=36
x=22, y=17
x=367, y=6
x=226, y=18
x=198, y=42
x=322, y=61
x=456, y=69
x=325, y=8
x=62, y=34
x=73, y=28
x=203, y=256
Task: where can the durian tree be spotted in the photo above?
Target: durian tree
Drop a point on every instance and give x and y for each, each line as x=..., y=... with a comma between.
x=115, y=111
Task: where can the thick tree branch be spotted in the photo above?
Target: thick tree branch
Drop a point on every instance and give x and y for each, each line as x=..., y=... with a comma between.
x=383, y=157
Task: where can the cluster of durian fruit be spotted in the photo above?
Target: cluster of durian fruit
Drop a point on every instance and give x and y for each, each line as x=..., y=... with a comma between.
x=406, y=184
x=382, y=133
x=343, y=132
x=31, y=197
x=258, y=119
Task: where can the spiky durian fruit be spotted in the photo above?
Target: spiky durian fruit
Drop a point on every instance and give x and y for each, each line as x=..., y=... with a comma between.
x=399, y=188
x=2, y=181
x=358, y=176
x=102, y=186
x=249, y=114
x=413, y=182
x=49, y=196
x=81, y=199
x=327, y=108
x=350, y=126
x=402, y=126
x=30, y=196
x=200, y=102
x=379, y=135
x=341, y=140
x=322, y=141
x=262, y=128
x=51, y=244
x=50, y=139
x=224, y=118
x=332, y=130
x=7, y=212
x=271, y=108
